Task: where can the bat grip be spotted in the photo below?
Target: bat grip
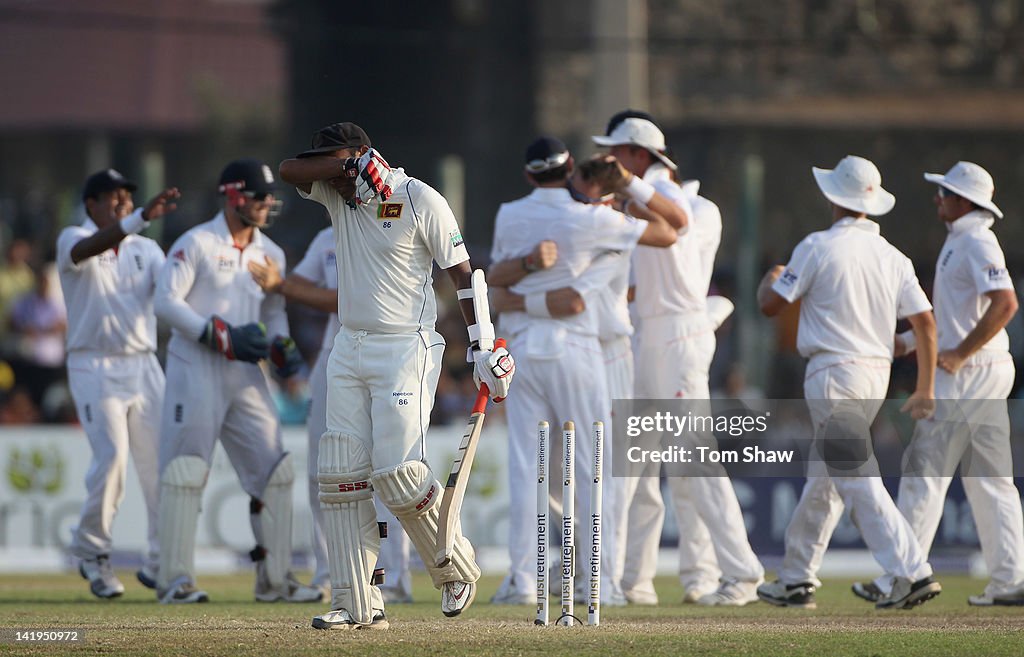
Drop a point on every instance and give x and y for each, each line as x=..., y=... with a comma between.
x=484, y=393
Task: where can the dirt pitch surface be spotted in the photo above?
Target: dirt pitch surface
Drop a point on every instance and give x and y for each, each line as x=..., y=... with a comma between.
x=233, y=625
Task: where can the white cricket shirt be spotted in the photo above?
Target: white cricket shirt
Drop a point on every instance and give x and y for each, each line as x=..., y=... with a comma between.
x=320, y=265
x=670, y=281
x=707, y=232
x=206, y=274
x=582, y=233
x=385, y=254
x=854, y=286
x=970, y=264
x=109, y=296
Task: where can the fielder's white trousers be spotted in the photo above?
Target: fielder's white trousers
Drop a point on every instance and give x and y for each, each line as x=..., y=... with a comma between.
x=570, y=386
x=673, y=358
x=886, y=532
x=118, y=399
x=978, y=434
x=394, y=551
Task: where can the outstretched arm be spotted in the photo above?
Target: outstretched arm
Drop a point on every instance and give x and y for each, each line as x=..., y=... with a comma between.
x=111, y=236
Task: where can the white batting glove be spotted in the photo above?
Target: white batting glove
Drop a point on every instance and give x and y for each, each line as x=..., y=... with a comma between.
x=495, y=368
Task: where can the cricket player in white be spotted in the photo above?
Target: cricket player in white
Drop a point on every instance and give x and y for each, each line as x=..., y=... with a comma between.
x=674, y=327
x=854, y=285
x=562, y=374
x=215, y=388
x=314, y=282
x=974, y=300
x=389, y=228
x=108, y=274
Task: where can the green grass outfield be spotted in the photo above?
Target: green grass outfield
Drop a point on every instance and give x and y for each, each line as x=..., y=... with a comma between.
x=233, y=625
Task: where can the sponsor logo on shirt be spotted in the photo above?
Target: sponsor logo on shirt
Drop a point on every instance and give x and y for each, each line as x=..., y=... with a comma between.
x=225, y=263
x=179, y=255
x=456, y=237
x=107, y=258
x=389, y=211
x=788, y=277
x=995, y=272
x=138, y=262
x=945, y=259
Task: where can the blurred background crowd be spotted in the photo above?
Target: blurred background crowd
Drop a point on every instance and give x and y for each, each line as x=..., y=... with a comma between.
x=750, y=96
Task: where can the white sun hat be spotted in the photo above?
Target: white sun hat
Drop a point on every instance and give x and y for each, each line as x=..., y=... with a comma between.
x=638, y=132
x=970, y=181
x=855, y=184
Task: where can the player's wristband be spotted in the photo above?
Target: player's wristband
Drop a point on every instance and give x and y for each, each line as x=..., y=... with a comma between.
x=133, y=223
x=537, y=305
x=639, y=190
x=909, y=341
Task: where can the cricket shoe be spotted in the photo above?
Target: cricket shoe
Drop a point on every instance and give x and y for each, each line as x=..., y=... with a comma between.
x=1013, y=599
x=730, y=593
x=292, y=591
x=800, y=596
x=182, y=593
x=340, y=619
x=906, y=595
x=867, y=591
x=102, y=581
x=696, y=592
x=147, y=576
x=395, y=596
x=641, y=598
x=510, y=597
x=456, y=597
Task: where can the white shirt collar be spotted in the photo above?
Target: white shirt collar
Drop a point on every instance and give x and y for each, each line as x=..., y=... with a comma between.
x=220, y=227
x=657, y=171
x=973, y=219
x=551, y=194
x=862, y=224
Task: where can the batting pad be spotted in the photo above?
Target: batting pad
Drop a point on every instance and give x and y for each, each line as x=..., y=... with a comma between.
x=271, y=518
x=410, y=491
x=350, y=524
x=181, y=489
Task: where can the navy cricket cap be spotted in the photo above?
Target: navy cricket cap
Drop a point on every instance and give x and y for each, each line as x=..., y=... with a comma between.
x=247, y=175
x=545, y=154
x=335, y=137
x=104, y=181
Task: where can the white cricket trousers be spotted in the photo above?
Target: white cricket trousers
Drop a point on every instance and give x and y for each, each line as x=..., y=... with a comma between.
x=571, y=386
x=979, y=435
x=118, y=399
x=394, y=551
x=673, y=358
x=833, y=378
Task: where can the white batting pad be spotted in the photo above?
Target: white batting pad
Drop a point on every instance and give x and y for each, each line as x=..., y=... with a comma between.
x=272, y=526
x=410, y=491
x=350, y=524
x=181, y=489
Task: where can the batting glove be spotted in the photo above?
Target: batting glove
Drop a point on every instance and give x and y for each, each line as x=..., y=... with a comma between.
x=246, y=343
x=495, y=368
x=285, y=356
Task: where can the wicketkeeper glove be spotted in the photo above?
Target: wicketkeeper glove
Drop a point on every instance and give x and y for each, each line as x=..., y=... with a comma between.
x=246, y=343
x=285, y=356
x=495, y=368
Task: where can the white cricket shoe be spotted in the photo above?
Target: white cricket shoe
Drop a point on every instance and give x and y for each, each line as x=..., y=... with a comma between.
x=509, y=597
x=731, y=593
x=147, y=576
x=906, y=594
x=182, y=593
x=867, y=591
x=1013, y=599
x=641, y=598
x=395, y=596
x=293, y=591
x=799, y=596
x=102, y=581
x=340, y=619
x=456, y=597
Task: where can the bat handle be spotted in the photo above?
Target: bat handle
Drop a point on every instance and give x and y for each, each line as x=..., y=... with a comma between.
x=484, y=393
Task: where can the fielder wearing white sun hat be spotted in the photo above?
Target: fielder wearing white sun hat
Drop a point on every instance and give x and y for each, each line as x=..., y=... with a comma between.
x=638, y=132
x=855, y=184
x=970, y=181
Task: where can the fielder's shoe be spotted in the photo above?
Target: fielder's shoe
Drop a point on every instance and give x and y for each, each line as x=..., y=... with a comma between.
x=340, y=619
x=147, y=577
x=293, y=591
x=906, y=595
x=800, y=595
x=867, y=591
x=641, y=598
x=183, y=593
x=615, y=598
x=395, y=596
x=456, y=597
x=509, y=597
x=1014, y=599
x=730, y=593
x=102, y=581
x=695, y=593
